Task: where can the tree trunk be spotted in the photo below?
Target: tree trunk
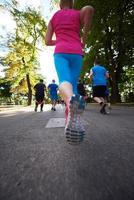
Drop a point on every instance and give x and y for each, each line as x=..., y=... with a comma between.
x=115, y=96
x=29, y=90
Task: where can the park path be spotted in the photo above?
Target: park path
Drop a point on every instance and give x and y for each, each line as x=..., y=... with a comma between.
x=36, y=163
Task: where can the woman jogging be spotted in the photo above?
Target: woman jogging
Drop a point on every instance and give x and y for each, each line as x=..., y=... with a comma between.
x=68, y=57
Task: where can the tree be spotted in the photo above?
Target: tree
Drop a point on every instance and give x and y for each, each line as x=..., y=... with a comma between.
x=21, y=61
x=111, y=37
x=5, y=89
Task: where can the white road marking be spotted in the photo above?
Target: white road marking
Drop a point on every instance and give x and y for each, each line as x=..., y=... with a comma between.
x=55, y=123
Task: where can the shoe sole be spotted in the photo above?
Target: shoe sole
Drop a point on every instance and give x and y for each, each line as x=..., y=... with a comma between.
x=75, y=141
x=75, y=137
x=74, y=132
x=77, y=104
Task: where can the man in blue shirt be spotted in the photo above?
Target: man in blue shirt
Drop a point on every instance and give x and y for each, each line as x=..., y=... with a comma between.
x=53, y=87
x=99, y=76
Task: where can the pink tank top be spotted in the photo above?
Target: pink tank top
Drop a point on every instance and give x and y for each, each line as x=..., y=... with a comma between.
x=66, y=25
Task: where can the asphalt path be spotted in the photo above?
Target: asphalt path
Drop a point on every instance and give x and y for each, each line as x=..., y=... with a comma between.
x=37, y=163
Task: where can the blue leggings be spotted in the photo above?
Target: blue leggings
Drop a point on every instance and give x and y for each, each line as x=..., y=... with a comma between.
x=68, y=67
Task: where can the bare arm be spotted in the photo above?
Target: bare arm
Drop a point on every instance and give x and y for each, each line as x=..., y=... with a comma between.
x=49, y=35
x=86, y=15
x=90, y=75
x=107, y=75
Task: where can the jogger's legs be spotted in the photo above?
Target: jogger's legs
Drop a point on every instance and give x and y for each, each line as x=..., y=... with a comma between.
x=68, y=67
x=98, y=99
x=36, y=106
x=41, y=106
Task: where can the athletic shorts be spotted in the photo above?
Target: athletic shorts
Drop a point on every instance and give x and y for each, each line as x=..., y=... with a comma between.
x=54, y=97
x=39, y=101
x=99, y=91
x=68, y=67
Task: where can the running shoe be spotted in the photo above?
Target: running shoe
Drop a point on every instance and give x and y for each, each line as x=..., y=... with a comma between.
x=74, y=129
x=102, y=110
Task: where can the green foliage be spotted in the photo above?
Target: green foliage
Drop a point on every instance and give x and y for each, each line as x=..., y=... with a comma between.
x=111, y=37
x=22, y=58
x=5, y=88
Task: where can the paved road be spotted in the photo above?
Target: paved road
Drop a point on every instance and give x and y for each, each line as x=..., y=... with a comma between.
x=36, y=163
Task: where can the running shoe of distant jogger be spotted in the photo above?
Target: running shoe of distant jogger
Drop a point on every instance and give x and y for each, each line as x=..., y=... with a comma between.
x=102, y=110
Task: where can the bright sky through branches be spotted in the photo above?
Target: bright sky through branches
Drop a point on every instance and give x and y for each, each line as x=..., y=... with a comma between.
x=45, y=55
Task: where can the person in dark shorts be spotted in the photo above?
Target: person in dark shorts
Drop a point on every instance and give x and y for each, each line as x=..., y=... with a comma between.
x=81, y=88
x=99, y=76
x=53, y=87
x=39, y=95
